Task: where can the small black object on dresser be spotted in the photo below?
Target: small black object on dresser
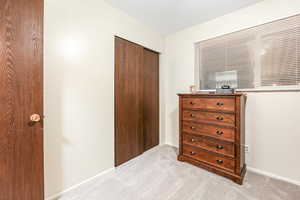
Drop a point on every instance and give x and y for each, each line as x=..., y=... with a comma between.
x=225, y=89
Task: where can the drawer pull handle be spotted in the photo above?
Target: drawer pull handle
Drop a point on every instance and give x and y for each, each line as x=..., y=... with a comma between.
x=193, y=115
x=220, y=104
x=220, y=118
x=192, y=103
x=219, y=132
x=193, y=140
x=220, y=147
x=220, y=161
x=193, y=153
x=193, y=128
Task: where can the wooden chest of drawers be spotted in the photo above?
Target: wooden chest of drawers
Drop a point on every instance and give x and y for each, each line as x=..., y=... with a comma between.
x=212, y=134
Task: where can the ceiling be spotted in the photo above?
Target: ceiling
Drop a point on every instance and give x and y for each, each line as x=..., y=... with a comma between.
x=168, y=16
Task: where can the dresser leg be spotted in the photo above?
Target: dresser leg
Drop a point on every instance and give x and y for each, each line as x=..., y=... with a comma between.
x=180, y=158
x=238, y=181
x=241, y=179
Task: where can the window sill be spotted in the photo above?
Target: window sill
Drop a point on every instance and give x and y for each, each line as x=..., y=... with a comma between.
x=261, y=90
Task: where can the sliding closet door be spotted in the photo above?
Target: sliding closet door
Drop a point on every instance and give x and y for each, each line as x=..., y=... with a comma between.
x=151, y=99
x=128, y=101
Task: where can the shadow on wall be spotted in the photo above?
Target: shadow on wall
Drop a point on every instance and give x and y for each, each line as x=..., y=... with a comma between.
x=174, y=118
x=162, y=100
x=54, y=140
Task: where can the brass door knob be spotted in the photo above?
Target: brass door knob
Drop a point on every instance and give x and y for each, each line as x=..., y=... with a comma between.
x=35, y=118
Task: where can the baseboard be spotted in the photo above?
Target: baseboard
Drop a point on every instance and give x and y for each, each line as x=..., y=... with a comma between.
x=53, y=197
x=170, y=144
x=258, y=171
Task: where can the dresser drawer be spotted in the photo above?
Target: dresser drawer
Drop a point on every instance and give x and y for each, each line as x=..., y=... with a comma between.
x=219, y=118
x=220, y=104
x=222, y=133
x=209, y=158
x=217, y=146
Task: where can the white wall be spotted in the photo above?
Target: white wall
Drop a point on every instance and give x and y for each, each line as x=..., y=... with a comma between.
x=272, y=120
x=79, y=98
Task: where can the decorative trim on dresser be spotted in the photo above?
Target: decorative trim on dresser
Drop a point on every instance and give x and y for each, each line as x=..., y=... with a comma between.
x=212, y=133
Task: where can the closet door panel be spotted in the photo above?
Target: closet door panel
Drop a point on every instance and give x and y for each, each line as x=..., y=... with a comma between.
x=151, y=99
x=128, y=101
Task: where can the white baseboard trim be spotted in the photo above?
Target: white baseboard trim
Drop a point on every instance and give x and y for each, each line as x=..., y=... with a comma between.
x=258, y=171
x=77, y=185
x=170, y=144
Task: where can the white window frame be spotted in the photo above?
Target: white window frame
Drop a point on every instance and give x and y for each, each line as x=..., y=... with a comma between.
x=257, y=72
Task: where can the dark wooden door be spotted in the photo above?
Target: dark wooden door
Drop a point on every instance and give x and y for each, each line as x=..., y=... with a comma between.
x=21, y=96
x=128, y=101
x=151, y=99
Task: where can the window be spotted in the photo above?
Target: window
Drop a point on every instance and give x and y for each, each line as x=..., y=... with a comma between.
x=262, y=57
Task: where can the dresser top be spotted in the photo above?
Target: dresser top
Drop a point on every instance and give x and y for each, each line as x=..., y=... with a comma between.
x=209, y=94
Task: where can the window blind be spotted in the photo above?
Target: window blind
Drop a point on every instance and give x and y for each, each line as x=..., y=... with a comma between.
x=265, y=56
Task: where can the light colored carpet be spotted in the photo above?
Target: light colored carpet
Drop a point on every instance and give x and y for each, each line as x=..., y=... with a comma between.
x=157, y=175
